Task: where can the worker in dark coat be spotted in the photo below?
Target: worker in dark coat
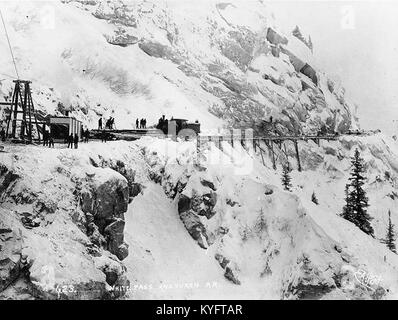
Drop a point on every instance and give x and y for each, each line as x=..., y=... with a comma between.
x=160, y=124
x=76, y=140
x=103, y=136
x=50, y=140
x=86, y=136
x=45, y=137
x=70, y=141
x=109, y=123
x=137, y=123
x=100, y=124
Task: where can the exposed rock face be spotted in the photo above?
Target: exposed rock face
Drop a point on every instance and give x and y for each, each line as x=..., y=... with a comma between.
x=106, y=199
x=62, y=225
x=158, y=50
x=11, y=262
x=134, y=187
x=229, y=267
x=121, y=38
x=7, y=177
x=114, y=232
x=275, y=38
x=193, y=208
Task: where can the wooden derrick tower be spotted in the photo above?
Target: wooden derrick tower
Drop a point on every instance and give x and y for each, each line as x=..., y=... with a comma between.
x=22, y=115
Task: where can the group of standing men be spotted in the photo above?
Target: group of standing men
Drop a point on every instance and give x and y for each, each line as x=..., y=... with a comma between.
x=140, y=124
x=48, y=139
x=73, y=141
x=85, y=135
x=109, y=124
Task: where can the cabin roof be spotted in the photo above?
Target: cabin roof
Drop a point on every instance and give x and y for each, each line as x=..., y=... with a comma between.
x=177, y=119
x=63, y=117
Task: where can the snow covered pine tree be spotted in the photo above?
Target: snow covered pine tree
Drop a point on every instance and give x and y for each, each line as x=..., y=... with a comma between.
x=391, y=235
x=356, y=200
x=347, y=209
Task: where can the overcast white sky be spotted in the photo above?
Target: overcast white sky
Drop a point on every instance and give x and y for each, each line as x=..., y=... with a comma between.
x=358, y=41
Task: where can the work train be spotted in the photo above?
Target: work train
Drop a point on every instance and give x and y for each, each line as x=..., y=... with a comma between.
x=177, y=125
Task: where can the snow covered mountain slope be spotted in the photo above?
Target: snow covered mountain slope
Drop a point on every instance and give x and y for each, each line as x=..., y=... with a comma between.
x=155, y=219
x=209, y=225
x=273, y=244
x=206, y=60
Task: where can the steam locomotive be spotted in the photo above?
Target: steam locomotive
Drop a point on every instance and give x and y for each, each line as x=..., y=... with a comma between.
x=179, y=125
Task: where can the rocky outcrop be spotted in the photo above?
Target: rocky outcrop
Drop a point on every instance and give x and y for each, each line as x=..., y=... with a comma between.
x=7, y=177
x=194, y=207
x=275, y=38
x=62, y=228
x=122, y=39
x=12, y=262
x=158, y=50
x=230, y=268
x=106, y=199
x=134, y=187
x=116, y=14
x=238, y=47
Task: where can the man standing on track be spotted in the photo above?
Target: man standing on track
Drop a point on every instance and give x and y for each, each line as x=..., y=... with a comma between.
x=70, y=141
x=50, y=140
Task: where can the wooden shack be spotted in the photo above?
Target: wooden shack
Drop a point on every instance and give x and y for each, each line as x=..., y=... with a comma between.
x=62, y=126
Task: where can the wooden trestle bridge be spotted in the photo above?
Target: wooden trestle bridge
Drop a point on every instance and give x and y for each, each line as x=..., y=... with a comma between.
x=245, y=138
x=270, y=142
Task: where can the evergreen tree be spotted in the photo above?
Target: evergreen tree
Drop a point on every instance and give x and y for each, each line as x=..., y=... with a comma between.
x=355, y=209
x=314, y=198
x=310, y=45
x=347, y=209
x=286, y=179
x=391, y=235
